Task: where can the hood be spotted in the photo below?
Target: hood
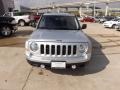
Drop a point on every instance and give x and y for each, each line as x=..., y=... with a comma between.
x=5, y=18
x=59, y=35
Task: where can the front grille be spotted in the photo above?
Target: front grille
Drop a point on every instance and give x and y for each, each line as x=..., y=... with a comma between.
x=58, y=50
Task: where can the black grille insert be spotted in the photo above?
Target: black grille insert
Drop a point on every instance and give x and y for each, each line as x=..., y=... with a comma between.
x=64, y=50
x=47, y=49
x=58, y=49
x=69, y=50
x=42, y=49
x=53, y=49
x=74, y=50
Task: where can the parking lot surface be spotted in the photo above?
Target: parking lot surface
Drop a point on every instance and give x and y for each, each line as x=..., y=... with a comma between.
x=102, y=73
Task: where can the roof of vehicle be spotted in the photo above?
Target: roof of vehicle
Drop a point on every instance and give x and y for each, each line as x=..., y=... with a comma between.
x=59, y=14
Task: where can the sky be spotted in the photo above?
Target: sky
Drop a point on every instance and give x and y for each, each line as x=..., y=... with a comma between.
x=41, y=3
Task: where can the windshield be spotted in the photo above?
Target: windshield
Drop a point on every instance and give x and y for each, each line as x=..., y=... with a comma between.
x=58, y=22
x=115, y=19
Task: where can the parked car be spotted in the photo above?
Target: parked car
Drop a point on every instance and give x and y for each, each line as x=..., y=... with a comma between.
x=111, y=24
x=106, y=18
x=21, y=18
x=97, y=18
x=7, y=26
x=34, y=18
x=88, y=19
x=58, y=42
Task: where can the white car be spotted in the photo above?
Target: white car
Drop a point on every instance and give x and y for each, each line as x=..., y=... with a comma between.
x=20, y=18
x=111, y=24
x=58, y=41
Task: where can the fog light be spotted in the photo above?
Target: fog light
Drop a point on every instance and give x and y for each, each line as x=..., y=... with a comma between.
x=42, y=66
x=73, y=66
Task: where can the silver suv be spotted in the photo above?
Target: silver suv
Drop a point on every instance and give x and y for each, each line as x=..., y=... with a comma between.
x=58, y=42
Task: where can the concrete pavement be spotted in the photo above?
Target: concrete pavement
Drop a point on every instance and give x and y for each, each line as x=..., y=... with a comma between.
x=102, y=73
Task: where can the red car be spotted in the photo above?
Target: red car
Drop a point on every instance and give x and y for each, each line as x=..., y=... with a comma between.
x=34, y=19
x=88, y=19
x=37, y=17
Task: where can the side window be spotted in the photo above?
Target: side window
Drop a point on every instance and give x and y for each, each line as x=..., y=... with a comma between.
x=15, y=14
x=18, y=14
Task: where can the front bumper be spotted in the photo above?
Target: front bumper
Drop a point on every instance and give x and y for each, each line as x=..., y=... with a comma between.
x=107, y=25
x=68, y=60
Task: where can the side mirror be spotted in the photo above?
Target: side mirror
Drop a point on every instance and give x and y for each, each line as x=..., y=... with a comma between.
x=84, y=26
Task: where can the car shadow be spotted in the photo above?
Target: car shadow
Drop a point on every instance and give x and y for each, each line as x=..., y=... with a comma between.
x=98, y=63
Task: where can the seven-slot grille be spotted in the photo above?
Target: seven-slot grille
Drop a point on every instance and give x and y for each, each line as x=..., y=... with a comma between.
x=68, y=50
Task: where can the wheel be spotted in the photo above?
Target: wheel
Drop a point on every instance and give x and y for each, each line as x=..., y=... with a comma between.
x=33, y=23
x=21, y=23
x=114, y=26
x=6, y=31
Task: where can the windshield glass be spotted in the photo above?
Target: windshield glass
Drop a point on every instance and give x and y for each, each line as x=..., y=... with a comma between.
x=58, y=22
x=115, y=19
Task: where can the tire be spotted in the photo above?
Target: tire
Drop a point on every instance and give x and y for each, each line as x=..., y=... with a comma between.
x=21, y=23
x=114, y=26
x=33, y=23
x=6, y=31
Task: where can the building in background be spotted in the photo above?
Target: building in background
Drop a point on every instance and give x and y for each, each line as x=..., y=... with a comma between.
x=10, y=5
x=6, y=6
x=19, y=7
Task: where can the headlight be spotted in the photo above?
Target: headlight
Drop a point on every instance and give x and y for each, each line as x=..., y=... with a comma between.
x=13, y=22
x=83, y=47
x=34, y=46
